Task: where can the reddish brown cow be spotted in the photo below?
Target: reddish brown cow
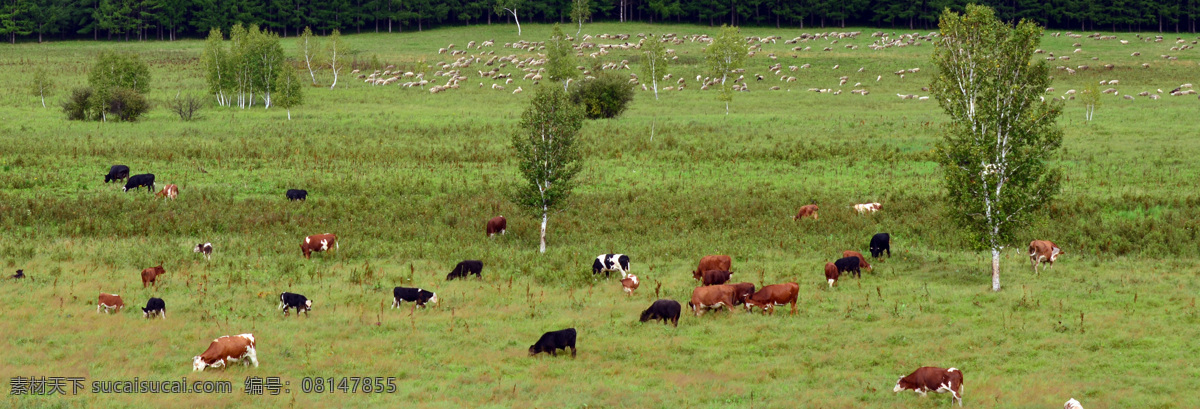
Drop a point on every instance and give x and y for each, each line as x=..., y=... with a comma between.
x=772, y=295
x=862, y=261
x=715, y=277
x=806, y=211
x=226, y=349
x=168, y=191
x=318, y=242
x=496, y=225
x=831, y=273
x=741, y=291
x=1043, y=251
x=630, y=283
x=110, y=302
x=722, y=263
x=929, y=378
x=151, y=274
x=715, y=296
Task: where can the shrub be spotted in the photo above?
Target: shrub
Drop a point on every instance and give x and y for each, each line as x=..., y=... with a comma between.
x=78, y=106
x=607, y=96
x=186, y=106
x=121, y=104
x=126, y=104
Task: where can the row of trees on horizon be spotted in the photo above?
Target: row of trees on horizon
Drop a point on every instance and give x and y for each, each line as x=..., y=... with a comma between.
x=171, y=19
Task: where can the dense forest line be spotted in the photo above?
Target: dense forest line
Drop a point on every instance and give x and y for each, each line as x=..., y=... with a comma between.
x=35, y=20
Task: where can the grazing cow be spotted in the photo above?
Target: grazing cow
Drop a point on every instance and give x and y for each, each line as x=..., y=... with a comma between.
x=849, y=264
x=297, y=301
x=417, y=295
x=136, y=181
x=806, y=211
x=297, y=194
x=205, y=248
x=110, y=302
x=150, y=275
x=168, y=191
x=19, y=274
x=772, y=295
x=831, y=273
x=862, y=261
x=880, y=243
x=230, y=348
x=466, y=268
x=496, y=225
x=1043, y=251
x=665, y=310
x=606, y=263
x=318, y=242
x=116, y=172
x=934, y=379
x=867, y=208
x=630, y=283
x=156, y=306
x=552, y=341
x=723, y=263
x=709, y=297
x=715, y=277
x=741, y=291
x=1072, y=404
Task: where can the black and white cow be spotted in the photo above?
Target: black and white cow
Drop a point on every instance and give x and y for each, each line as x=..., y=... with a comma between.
x=204, y=248
x=155, y=306
x=466, y=268
x=606, y=263
x=137, y=181
x=554, y=340
x=297, y=194
x=116, y=172
x=880, y=243
x=297, y=301
x=416, y=295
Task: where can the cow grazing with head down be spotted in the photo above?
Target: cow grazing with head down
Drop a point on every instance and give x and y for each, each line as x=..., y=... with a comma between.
x=711, y=297
x=862, y=261
x=741, y=291
x=417, y=295
x=606, y=263
x=155, y=306
x=150, y=275
x=117, y=172
x=723, y=263
x=880, y=243
x=831, y=273
x=629, y=284
x=773, y=295
x=1072, y=404
x=170, y=191
x=465, y=268
x=19, y=275
x=665, y=310
x=296, y=194
x=806, y=211
x=110, y=302
x=929, y=378
x=867, y=207
x=299, y=302
x=552, y=341
x=715, y=277
x=318, y=242
x=1043, y=251
x=496, y=225
x=136, y=181
x=205, y=248
x=848, y=264
x=223, y=350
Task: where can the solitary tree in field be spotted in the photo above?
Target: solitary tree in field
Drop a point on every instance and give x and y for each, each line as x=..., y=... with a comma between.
x=1090, y=97
x=580, y=10
x=42, y=85
x=995, y=147
x=307, y=45
x=289, y=92
x=546, y=154
x=337, y=49
x=655, y=61
x=560, y=57
x=117, y=73
x=724, y=55
x=511, y=7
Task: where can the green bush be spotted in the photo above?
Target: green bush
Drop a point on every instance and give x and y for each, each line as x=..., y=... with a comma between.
x=126, y=104
x=122, y=104
x=607, y=96
x=77, y=107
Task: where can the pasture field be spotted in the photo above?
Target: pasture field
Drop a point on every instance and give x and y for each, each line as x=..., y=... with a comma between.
x=407, y=179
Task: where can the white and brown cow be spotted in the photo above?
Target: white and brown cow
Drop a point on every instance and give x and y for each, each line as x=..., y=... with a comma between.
x=930, y=378
x=318, y=242
x=170, y=191
x=867, y=207
x=110, y=302
x=1043, y=251
x=630, y=283
x=1072, y=404
x=231, y=348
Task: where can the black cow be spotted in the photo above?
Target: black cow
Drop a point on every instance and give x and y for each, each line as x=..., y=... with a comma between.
x=155, y=306
x=297, y=301
x=297, y=194
x=136, y=181
x=116, y=172
x=466, y=268
x=880, y=243
x=606, y=263
x=665, y=310
x=848, y=264
x=553, y=341
x=19, y=274
x=416, y=295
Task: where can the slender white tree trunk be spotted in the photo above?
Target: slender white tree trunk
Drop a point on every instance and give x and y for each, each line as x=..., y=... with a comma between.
x=654, y=81
x=580, y=28
x=518, y=20
x=289, y=114
x=995, y=269
x=43, y=95
x=545, y=214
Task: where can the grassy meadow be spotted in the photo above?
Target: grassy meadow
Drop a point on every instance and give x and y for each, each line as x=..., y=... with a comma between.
x=407, y=179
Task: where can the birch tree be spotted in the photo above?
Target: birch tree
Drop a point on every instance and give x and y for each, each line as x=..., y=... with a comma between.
x=580, y=10
x=1000, y=135
x=725, y=55
x=546, y=154
x=560, y=58
x=1091, y=98
x=289, y=92
x=307, y=45
x=337, y=49
x=41, y=85
x=511, y=7
x=655, y=63
x=216, y=65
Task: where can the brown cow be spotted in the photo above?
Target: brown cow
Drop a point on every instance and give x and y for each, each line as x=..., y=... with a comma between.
x=929, y=378
x=151, y=274
x=862, y=261
x=630, y=283
x=318, y=242
x=168, y=191
x=496, y=225
x=1043, y=251
x=722, y=263
x=806, y=211
x=110, y=302
x=715, y=296
x=225, y=349
x=831, y=273
x=715, y=277
x=772, y=295
x=741, y=291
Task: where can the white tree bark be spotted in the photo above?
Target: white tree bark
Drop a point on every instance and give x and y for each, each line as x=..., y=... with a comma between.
x=995, y=269
x=518, y=20
x=545, y=214
x=308, y=58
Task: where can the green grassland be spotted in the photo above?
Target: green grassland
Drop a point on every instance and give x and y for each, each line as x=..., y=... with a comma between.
x=407, y=179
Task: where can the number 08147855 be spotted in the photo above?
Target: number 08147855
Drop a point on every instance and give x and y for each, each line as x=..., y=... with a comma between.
x=348, y=384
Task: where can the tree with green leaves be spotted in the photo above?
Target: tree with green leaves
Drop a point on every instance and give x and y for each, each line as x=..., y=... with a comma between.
x=580, y=10
x=41, y=85
x=547, y=157
x=114, y=72
x=218, y=70
x=654, y=61
x=307, y=46
x=1000, y=135
x=511, y=6
x=289, y=91
x=1091, y=98
x=723, y=56
x=15, y=18
x=560, y=58
x=337, y=49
